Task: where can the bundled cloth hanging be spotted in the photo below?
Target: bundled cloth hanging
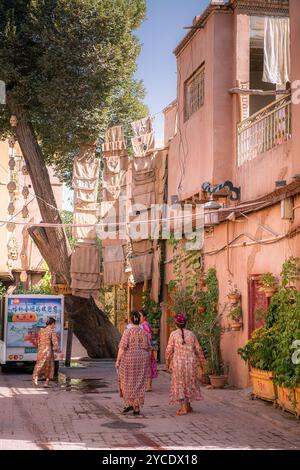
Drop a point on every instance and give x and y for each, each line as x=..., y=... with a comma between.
x=85, y=271
x=114, y=142
x=142, y=126
x=142, y=267
x=114, y=265
x=277, y=51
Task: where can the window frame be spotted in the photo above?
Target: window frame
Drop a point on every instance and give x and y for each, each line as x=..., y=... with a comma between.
x=191, y=105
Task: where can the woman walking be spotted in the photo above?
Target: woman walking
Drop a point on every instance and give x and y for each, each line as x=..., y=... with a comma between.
x=183, y=356
x=47, y=345
x=133, y=363
x=152, y=370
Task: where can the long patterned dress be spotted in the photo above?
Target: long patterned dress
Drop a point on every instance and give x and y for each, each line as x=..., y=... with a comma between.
x=184, y=360
x=134, y=365
x=47, y=345
x=152, y=371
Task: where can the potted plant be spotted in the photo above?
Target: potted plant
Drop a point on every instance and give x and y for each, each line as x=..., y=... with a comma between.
x=236, y=315
x=268, y=284
x=234, y=294
x=260, y=353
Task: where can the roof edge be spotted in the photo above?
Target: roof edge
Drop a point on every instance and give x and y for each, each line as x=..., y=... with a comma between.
x=201, y=23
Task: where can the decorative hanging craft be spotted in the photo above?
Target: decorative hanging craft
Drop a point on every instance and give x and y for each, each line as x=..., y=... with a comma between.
x=25, y=192
x=25, y=212
x=13, y=121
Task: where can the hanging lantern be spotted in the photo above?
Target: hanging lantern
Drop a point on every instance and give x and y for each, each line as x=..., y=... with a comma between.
x=211, y=216
x=11, y=187
x=23, y=276
x=25, y=192
x=11, y=208
x=11, y=226
x=11, y=141
x=25, y=212
x=24, y=170
x=12, y=163
x=10, y=264
x=13, y=121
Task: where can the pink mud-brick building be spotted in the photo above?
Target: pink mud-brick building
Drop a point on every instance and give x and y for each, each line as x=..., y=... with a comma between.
x=244, y=143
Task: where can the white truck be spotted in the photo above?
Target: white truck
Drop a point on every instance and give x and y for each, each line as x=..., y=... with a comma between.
x=24, y=315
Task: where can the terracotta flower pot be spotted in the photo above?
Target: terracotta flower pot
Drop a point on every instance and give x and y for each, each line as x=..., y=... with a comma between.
x=269, y=291
x=236, y=325
x=218, y=381
x=234, y=298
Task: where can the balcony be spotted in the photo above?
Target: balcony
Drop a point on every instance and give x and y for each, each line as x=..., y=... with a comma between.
x=265, y=130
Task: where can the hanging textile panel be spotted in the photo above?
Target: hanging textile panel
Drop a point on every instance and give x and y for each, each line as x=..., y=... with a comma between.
x=142, y=267
x=80, y=284
x=277, y=51
x=114, y=140
x=115, y=164
x=86, y=222
x=85, y=294
x=143, y=144
x=85, y=259
x=141, y=247
x=142, y=126
x=161, y=161
x=114, y=265
x=142, y=164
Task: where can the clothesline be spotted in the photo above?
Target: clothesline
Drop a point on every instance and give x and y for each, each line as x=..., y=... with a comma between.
x=118, y=224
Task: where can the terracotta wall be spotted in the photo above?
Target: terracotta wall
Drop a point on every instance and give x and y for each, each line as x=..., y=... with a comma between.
x=203, y=138
x=243, y=262
x=295, y=59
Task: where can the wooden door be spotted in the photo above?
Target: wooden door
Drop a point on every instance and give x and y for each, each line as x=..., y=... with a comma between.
x=256, y=300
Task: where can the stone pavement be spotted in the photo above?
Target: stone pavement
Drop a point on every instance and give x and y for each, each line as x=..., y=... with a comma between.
x=83, y=411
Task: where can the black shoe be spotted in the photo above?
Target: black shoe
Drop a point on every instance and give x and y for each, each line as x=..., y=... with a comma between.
x=136, y=413
x=127, y=409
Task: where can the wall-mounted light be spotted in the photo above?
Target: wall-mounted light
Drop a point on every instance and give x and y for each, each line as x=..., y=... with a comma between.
x=211, y=216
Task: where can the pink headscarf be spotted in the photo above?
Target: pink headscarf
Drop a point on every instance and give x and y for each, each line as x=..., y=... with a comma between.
x=180, y=319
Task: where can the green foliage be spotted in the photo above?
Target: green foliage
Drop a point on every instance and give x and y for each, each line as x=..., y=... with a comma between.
x=69, y=65
x=260, y=351
x=151, y=308
x=2, y=289
x=271, y=347
x=67, y=218
x=235, y=313
x=268, y=280
x=187, y=296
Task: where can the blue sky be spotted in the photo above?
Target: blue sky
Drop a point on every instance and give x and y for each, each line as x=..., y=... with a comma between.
x=159, y=34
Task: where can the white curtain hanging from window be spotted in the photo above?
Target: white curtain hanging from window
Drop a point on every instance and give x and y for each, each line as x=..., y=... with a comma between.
x=277, y=55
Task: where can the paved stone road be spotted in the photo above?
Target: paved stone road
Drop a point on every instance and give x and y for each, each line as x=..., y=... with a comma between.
x=83, y=411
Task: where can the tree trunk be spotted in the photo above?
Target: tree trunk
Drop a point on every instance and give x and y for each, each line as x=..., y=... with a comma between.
x=91, y=326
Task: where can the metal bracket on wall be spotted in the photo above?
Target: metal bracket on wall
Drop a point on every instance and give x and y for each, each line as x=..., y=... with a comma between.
x=235, y=191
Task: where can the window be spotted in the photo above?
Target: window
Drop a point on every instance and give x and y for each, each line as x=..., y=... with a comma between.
x=194, y=92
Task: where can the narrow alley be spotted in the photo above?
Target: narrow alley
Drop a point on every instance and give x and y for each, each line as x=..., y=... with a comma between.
x=83, y=411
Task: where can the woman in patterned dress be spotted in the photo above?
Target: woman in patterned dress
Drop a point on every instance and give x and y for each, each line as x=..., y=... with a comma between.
x=183, y=356
x=152, y=371
x=133, y=363
x=47, y=345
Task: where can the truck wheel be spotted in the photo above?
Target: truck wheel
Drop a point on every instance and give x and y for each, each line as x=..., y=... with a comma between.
x=56, y=368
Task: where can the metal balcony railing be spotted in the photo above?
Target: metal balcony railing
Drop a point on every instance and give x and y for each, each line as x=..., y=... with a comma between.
x=265, y=130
